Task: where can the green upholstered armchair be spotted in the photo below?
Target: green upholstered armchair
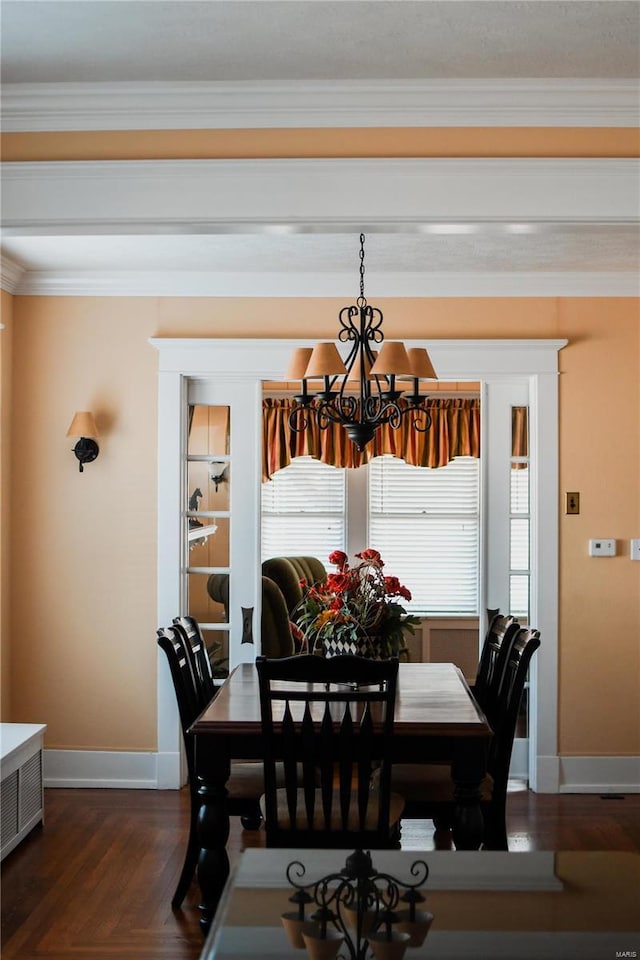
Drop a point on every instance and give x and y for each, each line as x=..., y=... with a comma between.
x=275, y=628
x=287, y=572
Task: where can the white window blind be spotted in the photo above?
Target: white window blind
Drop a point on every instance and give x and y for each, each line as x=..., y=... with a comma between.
x=425, y=523
x=304, y=511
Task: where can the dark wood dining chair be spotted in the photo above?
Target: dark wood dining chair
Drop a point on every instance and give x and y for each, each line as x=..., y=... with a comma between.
x=199, y=656
x=493, y=658
x=428, y=788
x=329, y=723
x=245, y=785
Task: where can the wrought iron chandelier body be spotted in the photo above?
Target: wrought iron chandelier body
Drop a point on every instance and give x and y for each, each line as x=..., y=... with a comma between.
x=360, y=392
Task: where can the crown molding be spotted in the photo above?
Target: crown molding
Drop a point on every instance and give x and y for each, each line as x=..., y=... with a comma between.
x=240, y=105
x=12, y=274
x=187, y=283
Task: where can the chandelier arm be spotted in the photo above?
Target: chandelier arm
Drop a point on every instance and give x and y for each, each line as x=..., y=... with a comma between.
x=422, y=420
x=300, y=417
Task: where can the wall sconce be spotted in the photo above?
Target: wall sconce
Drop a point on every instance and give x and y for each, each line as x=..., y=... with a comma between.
x=84, y=426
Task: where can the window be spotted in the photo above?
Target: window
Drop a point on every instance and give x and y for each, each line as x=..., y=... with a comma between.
x=425, y=523
x=304, y=510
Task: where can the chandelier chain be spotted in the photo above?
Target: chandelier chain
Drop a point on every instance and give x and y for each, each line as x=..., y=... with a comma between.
x=362, y=297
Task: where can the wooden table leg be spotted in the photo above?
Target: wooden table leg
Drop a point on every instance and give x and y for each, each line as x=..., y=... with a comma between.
x=213, y=833
x=468, y=770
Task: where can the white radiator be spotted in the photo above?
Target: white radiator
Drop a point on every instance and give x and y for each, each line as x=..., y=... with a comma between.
x=21, y=791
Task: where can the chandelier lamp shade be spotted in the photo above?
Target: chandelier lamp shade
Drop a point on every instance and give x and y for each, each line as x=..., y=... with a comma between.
x=367, y=388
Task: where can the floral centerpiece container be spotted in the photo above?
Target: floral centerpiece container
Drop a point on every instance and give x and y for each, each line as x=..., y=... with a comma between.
x=358, y=610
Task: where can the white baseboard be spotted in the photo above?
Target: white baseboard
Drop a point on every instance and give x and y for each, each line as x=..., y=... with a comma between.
x=170, y=772
x=101, y=768
x=599, y=775
x=160, y=771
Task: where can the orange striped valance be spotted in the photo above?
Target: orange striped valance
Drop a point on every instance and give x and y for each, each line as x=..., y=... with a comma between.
x=455, y=432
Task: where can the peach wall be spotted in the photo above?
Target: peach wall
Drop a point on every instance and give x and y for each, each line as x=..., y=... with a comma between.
x=6, y=337
x=600, y=458
x=362, y=142
x=84, y=546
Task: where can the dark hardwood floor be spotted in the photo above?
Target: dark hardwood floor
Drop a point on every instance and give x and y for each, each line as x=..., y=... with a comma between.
x=96, y=882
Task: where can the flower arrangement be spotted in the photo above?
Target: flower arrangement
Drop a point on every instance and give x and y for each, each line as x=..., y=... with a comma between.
x=357, y=610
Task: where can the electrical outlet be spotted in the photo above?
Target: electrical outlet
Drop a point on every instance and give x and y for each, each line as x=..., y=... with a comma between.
x=602, y=548
x=634, y=551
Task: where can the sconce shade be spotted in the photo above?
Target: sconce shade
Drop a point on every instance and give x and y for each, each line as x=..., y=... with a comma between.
x=392, y=359
x=421, y=365
x=83, y=425
x=298, y=364
x=325, y=361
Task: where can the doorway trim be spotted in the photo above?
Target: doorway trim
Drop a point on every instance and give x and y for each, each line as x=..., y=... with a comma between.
x=535, y=361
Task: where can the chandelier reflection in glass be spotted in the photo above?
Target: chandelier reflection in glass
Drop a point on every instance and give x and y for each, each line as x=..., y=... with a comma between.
x=358, y=912
x=361, y=392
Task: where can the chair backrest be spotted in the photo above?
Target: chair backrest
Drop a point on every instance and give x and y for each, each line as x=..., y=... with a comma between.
x=523, y=647
x=330, y=723
x=172, y=641
x=199, y=656
x=493, y=658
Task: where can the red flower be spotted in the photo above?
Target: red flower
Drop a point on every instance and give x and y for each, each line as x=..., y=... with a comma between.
x=404, y=592
x=392, y=586
x=372, y=556
x=338, y=558
x=337, y=582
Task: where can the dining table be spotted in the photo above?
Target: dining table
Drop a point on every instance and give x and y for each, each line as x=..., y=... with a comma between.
x=489, y=905
x=436, y=720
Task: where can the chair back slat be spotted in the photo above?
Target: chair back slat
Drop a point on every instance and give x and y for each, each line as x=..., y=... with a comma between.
x=331, y=736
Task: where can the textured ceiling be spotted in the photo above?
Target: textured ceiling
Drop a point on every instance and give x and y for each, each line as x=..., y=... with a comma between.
x=486, y=247
x=47, y=41
x=139, y=40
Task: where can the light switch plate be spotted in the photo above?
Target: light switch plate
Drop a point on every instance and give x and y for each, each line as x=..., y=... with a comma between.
x=634, y=551
x=602, y=548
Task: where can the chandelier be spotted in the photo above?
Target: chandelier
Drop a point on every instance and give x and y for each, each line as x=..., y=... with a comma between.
x=361, y=392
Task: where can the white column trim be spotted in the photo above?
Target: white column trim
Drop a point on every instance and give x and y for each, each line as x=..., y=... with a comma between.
x=544, y=450
x=171, y=413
